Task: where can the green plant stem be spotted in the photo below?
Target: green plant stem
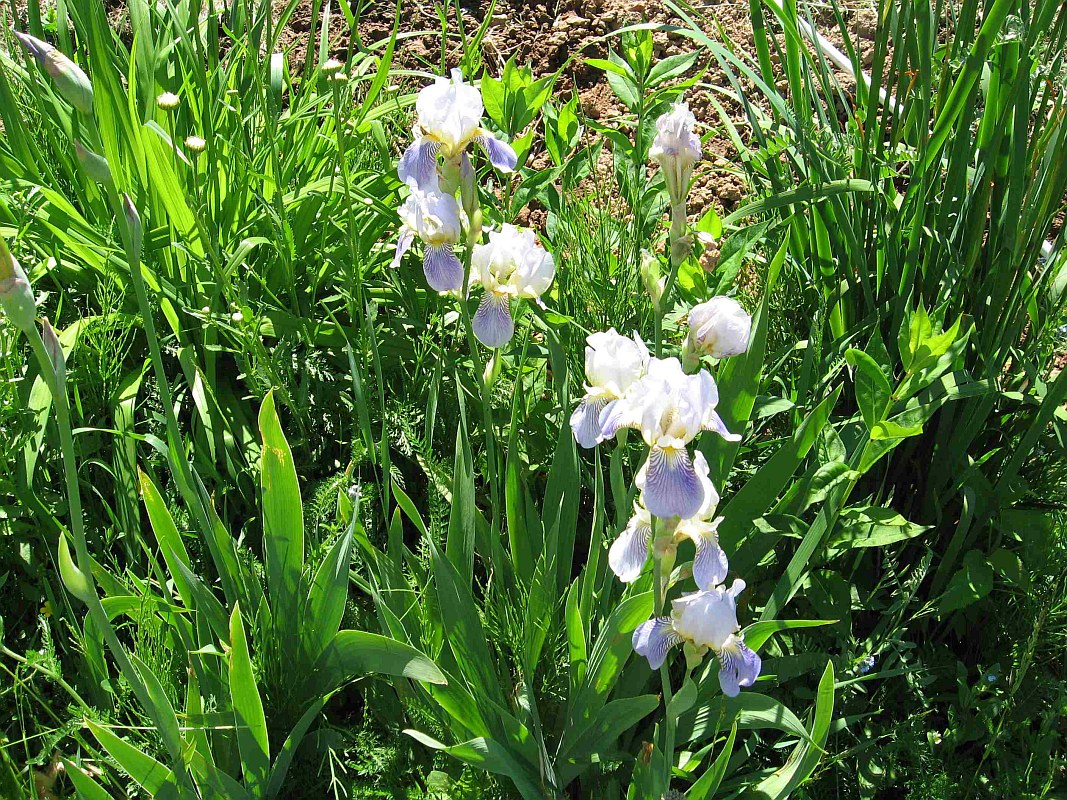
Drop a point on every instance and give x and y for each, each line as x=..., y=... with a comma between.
x=52, y=676
x=658, y=599
x=57, y=387
x=679, y=253
x=479, y=376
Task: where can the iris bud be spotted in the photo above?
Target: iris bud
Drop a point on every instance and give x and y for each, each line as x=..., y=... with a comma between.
x=95, y=165
x=16, y=294
x=73, y=84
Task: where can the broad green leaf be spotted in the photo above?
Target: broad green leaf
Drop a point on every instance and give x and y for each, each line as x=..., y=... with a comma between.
x=872, y=526
x=492, y=756
x=459, y=545
x=873, y=390
x=283, y=518
x=326, y=599
x=972, y=582
x=355, y=654
x=148, y=773
x=758, y=633
x=249, y=720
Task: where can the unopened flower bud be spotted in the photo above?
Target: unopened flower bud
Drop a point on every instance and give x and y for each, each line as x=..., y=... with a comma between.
x=237, y=317
x=332, y=67
x=653, y=282
x=694, y=654
x=16, y=294
x=95, y=165
x=168, y=101
x=54, y=349
x=719, y=328
x=195, y=144
x=73, y=84
x=676, y=149
x=492, y=369
x=133, y=224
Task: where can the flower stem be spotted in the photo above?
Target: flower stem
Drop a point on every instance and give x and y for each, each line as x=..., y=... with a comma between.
x=660, y=586
x=679, y=250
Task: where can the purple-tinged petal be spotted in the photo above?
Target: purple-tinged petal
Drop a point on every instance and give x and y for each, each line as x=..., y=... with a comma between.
x=629, y=551
x=654, y=639
x=710, y=565
x=616, y=416
x=418, y=165
x=738, y=666
x=714, y=423
x=585, y=421
x=492, y=323
x=501, y=155
x=672, y=487
x=444, y=272
x=403, y=244
x=34, y=46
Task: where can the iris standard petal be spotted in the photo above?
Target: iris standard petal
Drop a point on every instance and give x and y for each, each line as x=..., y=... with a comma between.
x=672, y=487
x=739, y=666
x=710, y=565
x=629, y=551
x=713, y=422
x=492, y=323
x=444, y=272
x=501, y=155
x=585, y=421
x=654, y=639
x=403, y=244
x=418, y=165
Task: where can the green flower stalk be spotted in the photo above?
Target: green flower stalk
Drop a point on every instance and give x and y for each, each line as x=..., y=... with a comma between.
x=73, y=84
x=16, y=294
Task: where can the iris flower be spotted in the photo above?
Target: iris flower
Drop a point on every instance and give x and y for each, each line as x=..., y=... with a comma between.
x=511, y=265
x=449, y=120
x=629, y=551
x=670, y=409
x=613, y=363
x=719, y=328
x=432, y=216
x=706, y=620
x=676, y=148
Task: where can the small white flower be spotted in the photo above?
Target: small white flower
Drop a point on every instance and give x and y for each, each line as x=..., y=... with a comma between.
x=706, y=620
x=449, y=120
x=433, y=217
x=670, y=409
x=676, y=149
x=719, y=328
x=613, y=363
x=168, y=101
x=511, y=265
x=195, y=144
x=332, y=66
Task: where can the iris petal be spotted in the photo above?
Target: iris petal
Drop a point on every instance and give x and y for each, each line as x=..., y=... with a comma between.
x=739, y=666
x=672, y=488
x=492, y=323
x=418, y=165
x=403, y=244
x=654, y=639
x=501, y=155
x=444, y=272
x=585, y=421
x=710, y=565
x=629, y=552
x=714, y=423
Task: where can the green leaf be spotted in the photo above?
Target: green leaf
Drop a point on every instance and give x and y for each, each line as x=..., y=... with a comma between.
x=873, y=390
x=249, y=720
x=708, y=783
x=76, y=581
x=354, y=654
x=283, y=517
x=146, y=772
x=758, y=633
x=326, y=599
x=970, y=583
x=671, y=67
x=492, y=756
x=459, y=544
x=87, y=788
x=807, y=754
x=872, y=526
x=888, y=429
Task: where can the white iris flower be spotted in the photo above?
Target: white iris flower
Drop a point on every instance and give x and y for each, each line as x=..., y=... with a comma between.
x=706, y=620
x=629, y=552
x=719, y=328
x=670, y=409
x=676, y=149
x=511, y=265
x=432, y=216
x=613, y=363
x=449, y=119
